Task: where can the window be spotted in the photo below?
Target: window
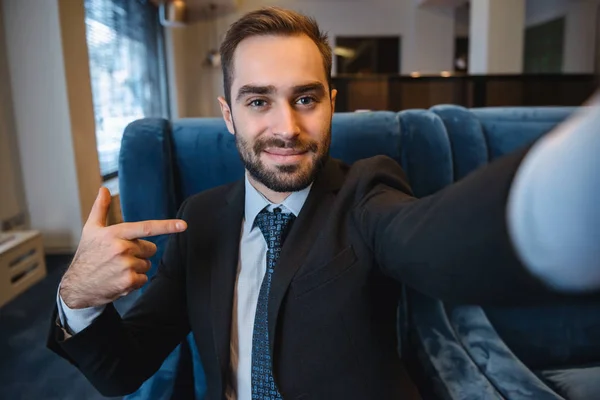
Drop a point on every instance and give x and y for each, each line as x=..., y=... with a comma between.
x=127, y=70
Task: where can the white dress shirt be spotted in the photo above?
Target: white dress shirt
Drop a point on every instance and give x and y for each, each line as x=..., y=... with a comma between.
x=252, y=266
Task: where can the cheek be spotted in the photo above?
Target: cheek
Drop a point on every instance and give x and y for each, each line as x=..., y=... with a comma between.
x=317, y=126
x=249, y=125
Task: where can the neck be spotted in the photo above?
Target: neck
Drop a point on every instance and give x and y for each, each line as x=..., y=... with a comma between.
x=271, y=195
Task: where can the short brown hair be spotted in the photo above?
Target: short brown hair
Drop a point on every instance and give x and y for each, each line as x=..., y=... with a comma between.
x=271, y=21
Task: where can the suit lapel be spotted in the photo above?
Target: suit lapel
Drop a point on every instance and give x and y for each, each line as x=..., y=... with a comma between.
x=301, y=238
x=224, y=272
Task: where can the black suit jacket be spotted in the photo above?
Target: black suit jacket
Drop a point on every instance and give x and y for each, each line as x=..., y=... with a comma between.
x=332, y=307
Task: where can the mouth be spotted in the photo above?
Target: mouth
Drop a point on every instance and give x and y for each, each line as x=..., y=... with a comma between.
x=285, y=156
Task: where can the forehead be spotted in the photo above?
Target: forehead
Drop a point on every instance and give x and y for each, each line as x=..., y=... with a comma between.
x=280, y=61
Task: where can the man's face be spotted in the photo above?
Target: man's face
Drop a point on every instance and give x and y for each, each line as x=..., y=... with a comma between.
x=280, y=110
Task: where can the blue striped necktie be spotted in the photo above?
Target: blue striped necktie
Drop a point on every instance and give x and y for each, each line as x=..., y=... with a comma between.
x=274, y=226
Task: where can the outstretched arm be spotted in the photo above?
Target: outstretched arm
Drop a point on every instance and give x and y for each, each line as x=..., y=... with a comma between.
x=506, y=233
x=453, y=245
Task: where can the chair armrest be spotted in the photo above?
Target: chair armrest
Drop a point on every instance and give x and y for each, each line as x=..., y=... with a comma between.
x=449, y=367
x=494, y=359
x=146, y=177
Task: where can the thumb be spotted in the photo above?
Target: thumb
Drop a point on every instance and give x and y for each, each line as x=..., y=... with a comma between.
x=100, y=208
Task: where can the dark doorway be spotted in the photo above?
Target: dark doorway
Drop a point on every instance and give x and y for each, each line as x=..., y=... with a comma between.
x=544, y=47
x=367, y=55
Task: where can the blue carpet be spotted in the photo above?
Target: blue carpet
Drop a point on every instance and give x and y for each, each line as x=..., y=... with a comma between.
x=28, y=370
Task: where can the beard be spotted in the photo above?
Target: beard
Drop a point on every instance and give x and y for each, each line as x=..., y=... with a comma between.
x=287, y=177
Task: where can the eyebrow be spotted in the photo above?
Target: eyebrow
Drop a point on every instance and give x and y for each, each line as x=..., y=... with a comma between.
x=247, y=90
x=316, y=87
x=253, y=89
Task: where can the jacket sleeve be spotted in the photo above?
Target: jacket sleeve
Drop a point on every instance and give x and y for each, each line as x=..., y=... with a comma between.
x=453, y=245
x=118, y=354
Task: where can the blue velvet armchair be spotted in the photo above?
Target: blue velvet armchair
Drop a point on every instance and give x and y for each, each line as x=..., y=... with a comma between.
x=162, y=163
x=454, y=352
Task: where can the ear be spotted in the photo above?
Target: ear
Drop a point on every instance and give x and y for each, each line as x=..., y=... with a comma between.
x=333, y=97
x=226, y=111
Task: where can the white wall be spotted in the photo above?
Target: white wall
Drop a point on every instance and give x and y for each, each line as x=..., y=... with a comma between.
x=536, y=12
x=580, y=37
x=194, y=86
x=49, y=80
x=580, y=28
x=540, y=11
x=427, y=36
x=429, y=40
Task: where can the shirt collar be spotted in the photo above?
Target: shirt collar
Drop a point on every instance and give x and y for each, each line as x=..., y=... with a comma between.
x=256, y=202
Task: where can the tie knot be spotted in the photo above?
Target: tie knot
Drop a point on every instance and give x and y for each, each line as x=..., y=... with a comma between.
x=274, y=226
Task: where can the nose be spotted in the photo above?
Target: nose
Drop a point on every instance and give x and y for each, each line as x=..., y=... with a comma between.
x=286, y=124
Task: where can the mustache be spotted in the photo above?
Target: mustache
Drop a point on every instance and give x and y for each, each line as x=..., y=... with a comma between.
x=297, y=144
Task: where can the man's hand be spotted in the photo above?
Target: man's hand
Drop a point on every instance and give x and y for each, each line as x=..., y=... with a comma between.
x=111, y=261
x=553, y=213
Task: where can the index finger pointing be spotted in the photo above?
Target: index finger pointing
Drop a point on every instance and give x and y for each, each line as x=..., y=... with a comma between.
x=142, y=229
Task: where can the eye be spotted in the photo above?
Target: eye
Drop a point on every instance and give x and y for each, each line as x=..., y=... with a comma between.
x=305, y=101
x=258, y=103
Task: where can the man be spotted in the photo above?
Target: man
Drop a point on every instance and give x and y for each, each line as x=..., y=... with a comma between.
x=284, y=277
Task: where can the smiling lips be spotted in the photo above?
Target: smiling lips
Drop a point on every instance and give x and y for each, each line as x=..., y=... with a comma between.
x=285, y=155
